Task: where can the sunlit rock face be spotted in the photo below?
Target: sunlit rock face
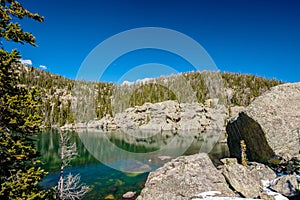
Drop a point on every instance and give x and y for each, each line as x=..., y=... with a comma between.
x=195, y=177
x=184, y=178
x=171, y=115
x=269, y=125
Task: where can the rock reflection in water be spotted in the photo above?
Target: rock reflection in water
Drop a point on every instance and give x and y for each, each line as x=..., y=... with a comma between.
x=137, y=151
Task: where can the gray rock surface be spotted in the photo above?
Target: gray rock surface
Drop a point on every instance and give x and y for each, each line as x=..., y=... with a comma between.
x=108, y=123
x=268, y=125
x=129, y=195
x=195, y=177
x=170, y=115
x=286, y=185
x=235, y=110
x=80, y=125
x=247, y=180
x=184, y=178
x=242, y=180
x=68, y=127
x=163, y=116
x=95, y=124
x=261, y=171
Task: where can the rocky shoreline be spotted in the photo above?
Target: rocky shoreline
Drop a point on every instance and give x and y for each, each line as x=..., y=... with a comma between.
x=269, y=129
x=165, y=116
x=263, y=140
x=195, y=177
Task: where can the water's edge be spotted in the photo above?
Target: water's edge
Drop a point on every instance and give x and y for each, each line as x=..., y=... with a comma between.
x=104, y=157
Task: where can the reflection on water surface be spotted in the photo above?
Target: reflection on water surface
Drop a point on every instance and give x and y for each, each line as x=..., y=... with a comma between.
x=113, y=163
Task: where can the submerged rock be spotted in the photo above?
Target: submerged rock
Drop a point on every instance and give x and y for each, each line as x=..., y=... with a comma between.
x=135, y=167
x=109, y=197
x=269, y=125
x=129, y=195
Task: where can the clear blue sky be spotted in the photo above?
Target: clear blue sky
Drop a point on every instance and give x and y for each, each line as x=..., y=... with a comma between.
x=260, y=37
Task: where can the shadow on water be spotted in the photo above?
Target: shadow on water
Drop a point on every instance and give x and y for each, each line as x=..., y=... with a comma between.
x=113, y=163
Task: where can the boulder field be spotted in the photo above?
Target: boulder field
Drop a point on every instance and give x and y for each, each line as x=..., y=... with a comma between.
x=195, y=177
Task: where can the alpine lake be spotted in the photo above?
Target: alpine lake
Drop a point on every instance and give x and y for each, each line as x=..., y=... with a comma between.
x=113, y=163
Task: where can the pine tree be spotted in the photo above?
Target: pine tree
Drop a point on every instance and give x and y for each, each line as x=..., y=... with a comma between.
x=19, y=108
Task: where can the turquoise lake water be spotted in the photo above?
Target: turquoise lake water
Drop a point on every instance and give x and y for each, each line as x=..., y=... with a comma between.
x=112, y=163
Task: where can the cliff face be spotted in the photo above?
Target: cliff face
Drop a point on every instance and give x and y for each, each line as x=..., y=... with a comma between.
x=269, y=125
x=164, y=116
x=170, y=115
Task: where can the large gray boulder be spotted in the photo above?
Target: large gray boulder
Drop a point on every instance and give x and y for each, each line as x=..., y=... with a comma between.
x=184, y=178
x=269, y=125
x=246, y=180
x=242, y=180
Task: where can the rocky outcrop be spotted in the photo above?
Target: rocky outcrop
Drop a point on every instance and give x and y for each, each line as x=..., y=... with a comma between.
x=184, y=178
x=166, y=116
x=269, y=126
x=171, y=116
x=107, y=123
x=195, y=177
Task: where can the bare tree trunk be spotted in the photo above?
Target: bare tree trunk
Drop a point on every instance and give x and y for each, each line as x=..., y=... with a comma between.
x=60, y=184
x=69, y=187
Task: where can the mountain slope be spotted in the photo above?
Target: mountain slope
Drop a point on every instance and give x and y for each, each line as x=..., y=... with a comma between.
x=62, y=98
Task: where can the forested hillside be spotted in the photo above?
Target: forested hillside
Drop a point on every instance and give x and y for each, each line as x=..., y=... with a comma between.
x=60, y=97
